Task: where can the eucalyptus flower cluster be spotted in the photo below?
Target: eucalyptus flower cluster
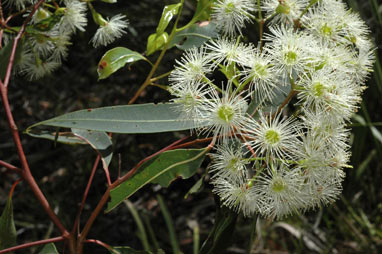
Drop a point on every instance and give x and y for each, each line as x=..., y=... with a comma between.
x=49, y=32
x=269, y=158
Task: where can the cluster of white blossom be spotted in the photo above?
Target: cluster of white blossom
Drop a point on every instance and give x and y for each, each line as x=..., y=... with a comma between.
x=49, y=32
x=265, y=161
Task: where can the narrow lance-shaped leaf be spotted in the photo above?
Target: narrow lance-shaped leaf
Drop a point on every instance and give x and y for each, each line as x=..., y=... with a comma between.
x=100, y=141
x=7, y=224
x=142, y=118
x=220, y=237
x=162, y=169
x=169, y=11
x=115, y=59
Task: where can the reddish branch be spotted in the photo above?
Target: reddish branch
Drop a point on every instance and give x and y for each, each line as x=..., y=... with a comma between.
x=26, y=172
x=106, y=195
x=31, y=244
x=10, y=167
x=106, y=246
x=77, y=220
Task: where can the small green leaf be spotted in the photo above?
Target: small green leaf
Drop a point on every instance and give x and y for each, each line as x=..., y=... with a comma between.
x=115, y=59
x=162, y=169
x=7, y=226
x=100, y=141
x=194, y=36
x=169, y=11
x=220, y=237
x=203, y=10
x=141, y=118
x=196, y=187
x=127, y=250
x=49, y=248
x=109, y=1
x=156, y=42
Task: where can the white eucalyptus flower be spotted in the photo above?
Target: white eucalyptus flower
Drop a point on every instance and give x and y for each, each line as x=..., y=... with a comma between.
x=289, y=50
x=260, y=74
x=226, y=113
x=110, y=30
x=235, y=194
x=284, y=11
x=227, y=51
x=192, y=68
x=230, y=15
x=229, y=162
x=279, y=191
x=274, y=138
x=74, y=16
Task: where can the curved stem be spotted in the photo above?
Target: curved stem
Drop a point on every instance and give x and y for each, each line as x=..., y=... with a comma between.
x=106, y=195
x=105, y=245
x=31, y=244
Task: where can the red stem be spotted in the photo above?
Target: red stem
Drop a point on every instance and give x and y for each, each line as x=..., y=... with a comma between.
x=105, y=245
x=106, y=195
x=28, y=245
x=10, y=167
x=77, y=220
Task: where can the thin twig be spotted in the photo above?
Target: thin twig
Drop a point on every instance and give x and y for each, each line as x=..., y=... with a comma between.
x=105, y=245
x=10, y=167
x=31, y=244
x=85, y=195
x=106, y=195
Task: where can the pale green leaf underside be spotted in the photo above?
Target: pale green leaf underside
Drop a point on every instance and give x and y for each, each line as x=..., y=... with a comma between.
x=142, y=118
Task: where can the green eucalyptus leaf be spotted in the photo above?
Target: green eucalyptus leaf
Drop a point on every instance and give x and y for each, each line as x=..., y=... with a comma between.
x=156, y=42
x=109, y=1
x=99, y=141
x=169, y=11
x=194, y=36
x=203, y=10
x=62, y=137
x=140, y=118
x=162, y=169
x=115, y=59
x=7, y=226
x=49, y=248
x=196, y=187
x=127, y=250
x=220, y=237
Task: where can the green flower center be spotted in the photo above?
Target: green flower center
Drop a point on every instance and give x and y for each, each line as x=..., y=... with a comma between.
x=290, y=57
x=260, y=70
x=278, y=185
x=272, y=137
x=326, y=30
x=318, y=89
x=226, y=113
x=233, y=164
x=229, y=8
